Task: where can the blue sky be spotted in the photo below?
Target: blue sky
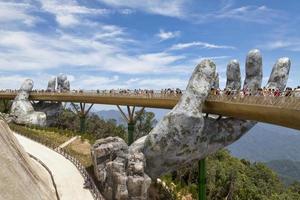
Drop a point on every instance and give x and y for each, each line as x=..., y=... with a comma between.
x=141, y=44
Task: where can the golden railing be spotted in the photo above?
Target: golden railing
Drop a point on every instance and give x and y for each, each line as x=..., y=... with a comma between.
x=284, y=111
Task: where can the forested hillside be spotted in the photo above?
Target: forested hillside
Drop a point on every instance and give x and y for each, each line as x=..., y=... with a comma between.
x=232, y=178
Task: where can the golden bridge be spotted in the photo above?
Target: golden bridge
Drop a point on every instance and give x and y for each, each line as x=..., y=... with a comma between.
x=283, y=111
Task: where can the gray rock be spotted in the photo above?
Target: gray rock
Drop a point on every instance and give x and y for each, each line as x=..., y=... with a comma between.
x=121, y=175
x=51, y=84
x=254, y=73
x=216, y=81
x=61, y=78
x=178, y=139
x=23, y=111
x=51, y=109
x=21, y=177
x=66, y=85
x=279, y=74
x=233, y=75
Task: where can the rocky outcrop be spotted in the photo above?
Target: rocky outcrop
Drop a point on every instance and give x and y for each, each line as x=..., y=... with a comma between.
x=22, y=109
x=120, y=174
x=21, y=177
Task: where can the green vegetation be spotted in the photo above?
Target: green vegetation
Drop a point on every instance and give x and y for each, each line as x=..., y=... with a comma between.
x=50, y=136
x=288, y=170
x=96, y=127
x=145, y=121
x=5, y=105
x=232, y=178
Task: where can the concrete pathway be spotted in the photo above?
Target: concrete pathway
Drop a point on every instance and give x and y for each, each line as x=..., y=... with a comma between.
x=66, y=176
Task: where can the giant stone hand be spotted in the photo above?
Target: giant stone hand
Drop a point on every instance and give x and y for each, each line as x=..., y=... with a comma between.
x=22, y=110
x=184, y=135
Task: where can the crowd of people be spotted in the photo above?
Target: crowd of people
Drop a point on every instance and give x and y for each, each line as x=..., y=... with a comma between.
x=177, y=92
x=260, y=92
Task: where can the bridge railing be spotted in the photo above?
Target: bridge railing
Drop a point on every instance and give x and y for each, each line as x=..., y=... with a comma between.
x=280, y=101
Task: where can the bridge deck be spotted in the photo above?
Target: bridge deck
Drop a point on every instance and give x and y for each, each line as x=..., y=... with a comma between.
x=284, y=111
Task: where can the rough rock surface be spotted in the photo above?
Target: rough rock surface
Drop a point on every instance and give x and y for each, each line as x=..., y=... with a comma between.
x=120, y=174
x=51, y=109
x=216, y=81
x=177, y=139
x=51, y=84
x=279, y=74
x=22, y=110
x=233, y=75
x=184, y=135
x=21, y=177
x=62, y=83
x=253, y=70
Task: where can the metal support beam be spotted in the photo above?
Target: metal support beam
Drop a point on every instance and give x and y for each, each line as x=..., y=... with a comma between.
x=82, y=123
x=201, y=179
x=82, y=113
x=131, y=120
x=130, y=128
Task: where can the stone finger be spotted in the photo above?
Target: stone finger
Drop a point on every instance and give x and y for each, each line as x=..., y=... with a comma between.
x=233, y=74
x=280, y=73
x=254, y=73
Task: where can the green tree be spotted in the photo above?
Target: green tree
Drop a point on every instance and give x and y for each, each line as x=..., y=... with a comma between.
x=145, y=121
x=95, y=126
x=234, y=179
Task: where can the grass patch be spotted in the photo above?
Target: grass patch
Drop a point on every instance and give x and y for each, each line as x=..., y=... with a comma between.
x=41, y=135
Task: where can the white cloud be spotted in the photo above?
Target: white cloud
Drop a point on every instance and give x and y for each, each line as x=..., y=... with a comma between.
x=32, y=51
x=165, y=35
x=93, y=82
x=193, y=12
x=290, y=44
x=256, y=14
x=205, y=45
x=11, y=12
x=70, y=13
x=171, y=8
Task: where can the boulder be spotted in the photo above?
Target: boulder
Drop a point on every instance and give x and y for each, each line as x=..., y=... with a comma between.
x=121, y=175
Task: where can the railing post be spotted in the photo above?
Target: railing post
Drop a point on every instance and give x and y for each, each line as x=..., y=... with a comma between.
x=130, y=128
x=201, y=179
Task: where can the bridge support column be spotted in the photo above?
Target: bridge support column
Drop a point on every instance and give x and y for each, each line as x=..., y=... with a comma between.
x=202, y=179
x=82, y=113
x=130, y=119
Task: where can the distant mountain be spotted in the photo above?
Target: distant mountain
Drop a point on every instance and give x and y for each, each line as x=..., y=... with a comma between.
x=111, y=114
x=267, y=142
x=115, y=114
x=288, y=170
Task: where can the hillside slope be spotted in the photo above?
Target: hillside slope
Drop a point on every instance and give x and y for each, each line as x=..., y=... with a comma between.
x=267, y=142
